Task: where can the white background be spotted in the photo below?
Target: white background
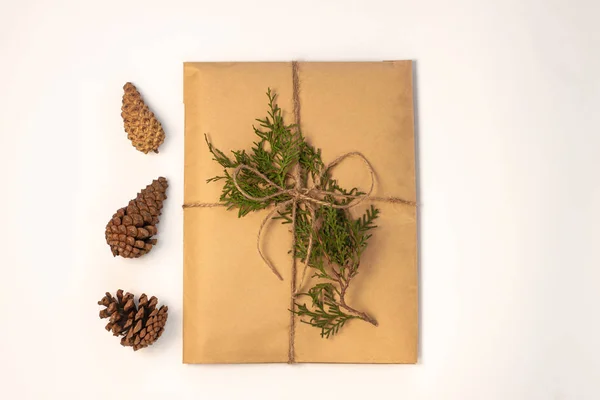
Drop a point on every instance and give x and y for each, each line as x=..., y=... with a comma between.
x=508, y=112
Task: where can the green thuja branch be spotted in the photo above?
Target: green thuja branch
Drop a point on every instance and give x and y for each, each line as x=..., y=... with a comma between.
x=337, y=247
x=275, y=152
x=338, y=240
x=325, y=312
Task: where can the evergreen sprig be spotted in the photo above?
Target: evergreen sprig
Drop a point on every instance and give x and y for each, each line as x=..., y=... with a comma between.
x=338, y=240
x=274, y=154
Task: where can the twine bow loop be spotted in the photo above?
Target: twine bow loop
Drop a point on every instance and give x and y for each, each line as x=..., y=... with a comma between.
x=310, y=197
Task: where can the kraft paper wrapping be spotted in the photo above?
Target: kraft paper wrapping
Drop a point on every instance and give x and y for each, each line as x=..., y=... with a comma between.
x=235, y=308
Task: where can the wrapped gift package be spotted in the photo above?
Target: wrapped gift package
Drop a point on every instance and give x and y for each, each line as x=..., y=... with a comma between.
x=235, y=309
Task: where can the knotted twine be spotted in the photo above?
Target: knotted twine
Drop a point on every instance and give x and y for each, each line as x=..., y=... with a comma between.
x=310, y=197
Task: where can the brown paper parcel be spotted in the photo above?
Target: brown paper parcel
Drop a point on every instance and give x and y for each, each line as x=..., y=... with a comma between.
x=235, y=308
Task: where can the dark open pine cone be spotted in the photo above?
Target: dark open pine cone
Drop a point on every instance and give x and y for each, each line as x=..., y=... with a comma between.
x=139, y=326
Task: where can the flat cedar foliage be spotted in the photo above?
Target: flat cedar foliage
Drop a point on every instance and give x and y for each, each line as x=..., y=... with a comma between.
x=338, y=240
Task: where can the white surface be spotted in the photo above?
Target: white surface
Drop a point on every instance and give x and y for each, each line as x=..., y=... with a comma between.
x=508, y=101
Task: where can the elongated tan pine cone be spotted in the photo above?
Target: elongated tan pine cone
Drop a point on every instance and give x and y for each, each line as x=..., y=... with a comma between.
x=139, y=326
x=142, y=127
x=130, y=231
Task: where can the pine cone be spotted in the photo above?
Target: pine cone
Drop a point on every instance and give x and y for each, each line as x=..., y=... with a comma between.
x=142, y=127
x=130, y=230
x=139, y=326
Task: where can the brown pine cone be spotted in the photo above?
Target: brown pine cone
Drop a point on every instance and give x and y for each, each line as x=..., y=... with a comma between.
x=129, y=232
x=142, y=127
x=139, y=326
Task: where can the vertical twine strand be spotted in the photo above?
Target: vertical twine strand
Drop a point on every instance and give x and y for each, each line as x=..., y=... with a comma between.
x=298, y=184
